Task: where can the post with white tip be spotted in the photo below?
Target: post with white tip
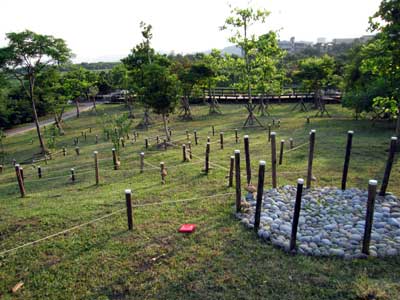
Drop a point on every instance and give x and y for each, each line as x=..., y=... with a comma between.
x=141, y=162
x=196, y=140
x=39, y=171
x=237, y=181
x=221, y=140
x=247, y=157
x=184, y=152
x=162, y=172
x=347, y=159
x=207, y=160
x=296, y=215
x=115, y=159
x=389, y=164
x=369, y=215
x=72, y=175
x=310, y=158
x=128, y=198
x=236, y=136
x=96, y=167
x=260, y=192
x=273, y=159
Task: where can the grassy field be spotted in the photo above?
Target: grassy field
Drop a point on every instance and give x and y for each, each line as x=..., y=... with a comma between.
x=221, y=259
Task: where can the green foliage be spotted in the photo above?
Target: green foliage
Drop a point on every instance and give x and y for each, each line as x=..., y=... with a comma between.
x=385, y=106
x=316, y=73
x=116, y=127
x=161, y=89
x=50, y=134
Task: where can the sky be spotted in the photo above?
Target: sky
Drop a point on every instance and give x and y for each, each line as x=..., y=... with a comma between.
x=105, y=30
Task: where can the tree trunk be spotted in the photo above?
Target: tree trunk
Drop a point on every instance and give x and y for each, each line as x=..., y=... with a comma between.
x=397, y=132
x=166, y=128
x=35, y=116
x=77, y=107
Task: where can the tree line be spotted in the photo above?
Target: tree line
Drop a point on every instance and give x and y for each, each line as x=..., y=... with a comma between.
x=37, y=78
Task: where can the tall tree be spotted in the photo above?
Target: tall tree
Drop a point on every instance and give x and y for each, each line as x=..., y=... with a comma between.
x=386, y=21
x=239, y=23
x=26, y=55
x=161, y=91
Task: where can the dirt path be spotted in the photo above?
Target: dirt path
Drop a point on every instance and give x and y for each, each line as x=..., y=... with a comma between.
x=30, y=126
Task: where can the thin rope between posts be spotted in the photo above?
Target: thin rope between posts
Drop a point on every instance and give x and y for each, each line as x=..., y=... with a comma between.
x=107, y=216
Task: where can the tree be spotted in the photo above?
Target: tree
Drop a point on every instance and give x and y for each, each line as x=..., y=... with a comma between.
x=26, y=55
x=239, y=23
x=121, y=80
x=386, y=21
x=316, y=74
x=161, y=91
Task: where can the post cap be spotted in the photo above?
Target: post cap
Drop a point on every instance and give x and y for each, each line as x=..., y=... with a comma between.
x=232, y=156
x=17, y=165
x=313, y=131
x=183, y=145
x=72, y=169
x=142, y=153
x=237, y=151
x=282, y=141
x=246, y=136
x=300, y=181
x=221, y=132
x=128, y=191
x=373, y=182
x=290, y=139
x=208, y=143
x=113, y=149
x=273, y=133
x=394, y=138
x=95, y=152
x=39, y=167
x=262, y=162
x=350, y=132
x=161, y=162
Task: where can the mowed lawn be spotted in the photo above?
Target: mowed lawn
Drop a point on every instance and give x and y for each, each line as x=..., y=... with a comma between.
x=221, y=259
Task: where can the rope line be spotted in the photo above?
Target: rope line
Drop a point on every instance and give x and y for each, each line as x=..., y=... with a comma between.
x=107, y=216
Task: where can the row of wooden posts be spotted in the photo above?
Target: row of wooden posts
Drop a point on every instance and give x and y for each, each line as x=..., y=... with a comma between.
x=372, y=185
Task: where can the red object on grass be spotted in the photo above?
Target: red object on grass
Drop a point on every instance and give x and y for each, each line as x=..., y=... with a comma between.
x=187, y=228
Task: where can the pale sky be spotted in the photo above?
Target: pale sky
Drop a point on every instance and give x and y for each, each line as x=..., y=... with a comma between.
x=107, y=30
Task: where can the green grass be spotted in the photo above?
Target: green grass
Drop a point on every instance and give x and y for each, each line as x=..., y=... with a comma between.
x=222, y=259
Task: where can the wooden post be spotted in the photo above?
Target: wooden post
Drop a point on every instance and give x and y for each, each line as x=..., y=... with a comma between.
x=97, y=139
x=213, y=130
x=369, y=215
x=389, y=164
x=146, y=143
x=64, y=151
x=296, y=215
x=141, y=162
x=77, y=150
x=190, y=149
x=308, y=119
x=281, y=151
x=273, y=159
x=122, y=142
x=236, y=136
x=90, y=129
x=115, y=159
x=39, y=171
x=291, y=143
x=208, y=139
x=162, y=172
x=73, y=175
x=96, y=166
x=20, y=180
x=85, y=136
x=279, y=123
x=273, y=122
x=207, y=162
x=310, y=158
x=165, y=144
x=247, y=157
x=158, y=139
x=347, y=159
x=184, y=152
x=134, y=136
x=170, y=131
x=231, y=167
x=260, y=192
x=1, y=169
x=221, y=140
x=81, y=133
x=21, y=170
x=237, y=181
x=269, y=133
x=187, y=135
x=195, y=137
x=128, y=200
